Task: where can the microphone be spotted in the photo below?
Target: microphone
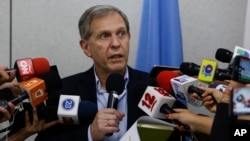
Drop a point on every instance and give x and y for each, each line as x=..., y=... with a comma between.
x=207, y=70
x=35, y=89
x=181, y=84
x=239, y=51
x=27, y=68
x=157, y=102
x=223, y=55
x=71, y=110
x=193, y=69
x=152, y=100
x=45, y=82
x=165, y=109
x=163, y=80
x=114, y=85
x=6, y=94
x=194, y=89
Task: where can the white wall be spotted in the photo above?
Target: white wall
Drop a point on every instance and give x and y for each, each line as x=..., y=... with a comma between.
x=210, y=24
x=247, y=28
x=4, y=32
x=48, y=28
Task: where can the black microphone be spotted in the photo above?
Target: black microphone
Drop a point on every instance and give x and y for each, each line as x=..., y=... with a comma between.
x=194, y=89
x=114, y=85
x=189, y=68
x=224, y=55
x=6, y=94
x=193, y=69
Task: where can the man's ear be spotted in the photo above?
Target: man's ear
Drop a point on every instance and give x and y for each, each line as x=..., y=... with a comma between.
x=85, y=47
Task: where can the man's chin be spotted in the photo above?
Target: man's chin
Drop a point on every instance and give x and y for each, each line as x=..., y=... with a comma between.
x=120, y=68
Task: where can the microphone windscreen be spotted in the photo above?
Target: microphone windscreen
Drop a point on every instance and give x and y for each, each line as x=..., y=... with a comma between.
x=115, y=82
x=189, y=68
x=223, y=55
x=40, y=65
x=163, y=80
x=86, y=112
x=52, y=80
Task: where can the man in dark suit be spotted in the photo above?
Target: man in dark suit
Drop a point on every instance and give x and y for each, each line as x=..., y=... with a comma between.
x=105, y=38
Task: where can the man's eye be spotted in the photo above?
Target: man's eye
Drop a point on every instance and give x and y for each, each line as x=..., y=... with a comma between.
x=122, y=33
x=104, y=35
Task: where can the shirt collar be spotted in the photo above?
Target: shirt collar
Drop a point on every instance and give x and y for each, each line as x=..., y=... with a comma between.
x=98, y=84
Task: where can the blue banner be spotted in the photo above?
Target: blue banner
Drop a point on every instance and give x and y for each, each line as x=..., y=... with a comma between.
x=160, y=41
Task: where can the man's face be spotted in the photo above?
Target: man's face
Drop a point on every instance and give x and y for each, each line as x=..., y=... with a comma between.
x=108, y=44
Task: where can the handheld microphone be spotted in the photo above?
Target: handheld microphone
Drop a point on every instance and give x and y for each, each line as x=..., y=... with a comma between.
x=223, y=55
x=71, y=110
x=159, y=109
x=163, y=80
x=152, y=100
x=189, y=68
x=193, y=69
x=207, y=70
x=27, y=68
x=194, y=89
x=36, y=89
x=180, y=85
x=165, y=109
x=46, y=82
x=114, y=85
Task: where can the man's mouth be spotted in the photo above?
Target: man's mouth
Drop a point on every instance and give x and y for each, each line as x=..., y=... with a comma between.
x=117, y=56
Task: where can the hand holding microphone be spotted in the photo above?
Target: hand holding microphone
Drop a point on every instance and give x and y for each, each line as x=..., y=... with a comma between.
x=35, y=89
x=6, y=85
x=209, y=96
x=107, y=120
x=31, y=126
x=6, y=113
x=194, y=122
x=6, y=76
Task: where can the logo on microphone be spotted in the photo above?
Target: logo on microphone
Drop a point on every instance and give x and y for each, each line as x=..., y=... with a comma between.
x=68, y=104
x=25, y=66
x=207, y=70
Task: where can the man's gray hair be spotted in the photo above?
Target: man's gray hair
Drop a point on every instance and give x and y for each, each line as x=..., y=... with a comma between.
x=97, y=11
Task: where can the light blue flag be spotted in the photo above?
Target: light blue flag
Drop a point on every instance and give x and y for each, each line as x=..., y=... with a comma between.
x=160, y=41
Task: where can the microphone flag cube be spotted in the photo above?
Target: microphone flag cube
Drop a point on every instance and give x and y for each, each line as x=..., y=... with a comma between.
x=35, y=87
x=152, y=100
x=180, y=86
x=68, y=109
x=207, y=70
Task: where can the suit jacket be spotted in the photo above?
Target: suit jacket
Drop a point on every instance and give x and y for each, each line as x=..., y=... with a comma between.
x=84, y=85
